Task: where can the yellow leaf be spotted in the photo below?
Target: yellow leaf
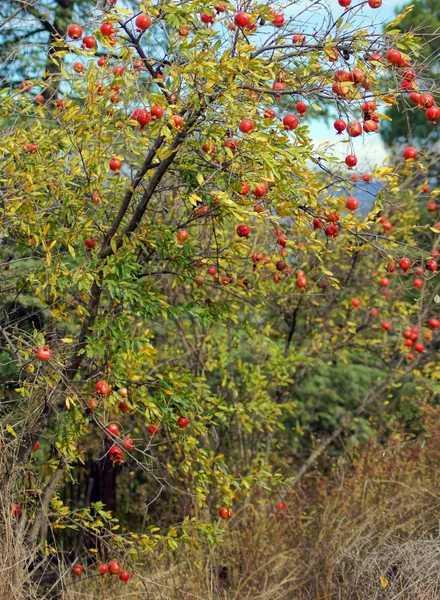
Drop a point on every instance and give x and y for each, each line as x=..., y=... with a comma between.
x=10, y=430
x=383, y=581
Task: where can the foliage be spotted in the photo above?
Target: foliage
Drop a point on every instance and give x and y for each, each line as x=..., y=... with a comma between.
x=227, y=333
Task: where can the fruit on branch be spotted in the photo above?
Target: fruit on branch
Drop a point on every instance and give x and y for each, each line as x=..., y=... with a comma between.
x=356, y=302
x=142, y=116
x=103, y=569
x=433, y=323
x=116, y=455
x=243, y=231
x=301, y=107
x=259, y=190
x=182, y=236
x=115, y=164
x=113, y=430
x=78, y=67
x=89, y=243
x=426, y=101
x=207, y=18
x=374, y=312
x=410, y=153
x=127, y=444
x=394, y=57
x=124, y=576
x=386, y=325
x=246, y=126
x=114, y=567
x=433, y=113
x=183, y=422
x=225, y=513
x=352, y=203
x=142, y=22
x=354, y=129
x=384, y=282
x=43, y=353
x=351, y=161
x=16, y=510
x=36, y=446
x=152, y=430
x=156, y=112
x=404, y=264
x=74, y=31
x=102, y=388
x=77, y=570
x=107, y=29
x=89, y=42
x=290, y=121
x=340, y=126
x=242, y=20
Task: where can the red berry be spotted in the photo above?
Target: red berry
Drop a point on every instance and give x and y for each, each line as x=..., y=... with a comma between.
x=183, y=422
x=374, y=312
x=89, y=42
x=74, y=32
x=356, y=302
x=16, y=510
x=394, y=57
x=404, y=264
x=280, y=505
x=115, y=164
x=259, y=190
x=270, y=113
x=142, y=22
x=351, y=161
x=386, y=326
x=419, y=347
x=182, y=236
x=340, y=126
x=89, y=243
x=434, y=323
x=116, y=455
x=384, y=282
x=153, y=430
x=242, y=20
x=290, y=122
x=352, y=203
x=206, y=18
x=103, y=569
x=243, y=231
x=246, y=126
x=114, y=567
x=77, y=569
x=124, y=576
x=107, y=29
x=156, y=112
x=225, y=513
x=410, y=153
x=43, y=353
x=127, y=444
x=354, y=129
x=301, y=107
x=102, y=388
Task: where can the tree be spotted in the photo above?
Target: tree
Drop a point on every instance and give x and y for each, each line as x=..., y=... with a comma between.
x=176, y=273
x=408, y=118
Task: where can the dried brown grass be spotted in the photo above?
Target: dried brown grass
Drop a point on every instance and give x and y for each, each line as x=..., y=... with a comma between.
x=369, y=530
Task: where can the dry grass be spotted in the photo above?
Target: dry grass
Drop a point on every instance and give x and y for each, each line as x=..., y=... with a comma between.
x=367, y=531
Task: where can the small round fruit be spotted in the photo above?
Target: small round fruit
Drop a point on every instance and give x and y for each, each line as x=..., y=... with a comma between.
x=115, y=164
x=153, y=430
x=124, y=576
x=290, y=121
x=177, y=120
x=356, y=302
x=77, y=569
x=36, y=446
x=374, y=312
x=351, y=161
x=113, y=429
x=182, y=236
x=243, y=231
x=127, y=444
x=386, y=326
x=106, y=29
x=142, y=22
x=89, y=42
x=156, y=112
x=43, y=353
x=280, y=505
x=242, y=20
x=246, y=126
x=114, y=567
x=259, y=190
x=384, y=282
x=74, y=31
x=410, y=153
x=103, y=569
x=433, y=323
x=404, y=264
x=89, y=243
x=419, y=347
x=183, y=422
x=340, y=126
x=352, y=203
x=102, y=388
x=78, y=67
x=225, y=513
x=16, y=510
